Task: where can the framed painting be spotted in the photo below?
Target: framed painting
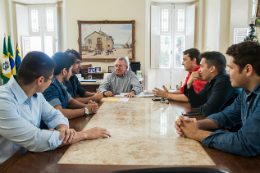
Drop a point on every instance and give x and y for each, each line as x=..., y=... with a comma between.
x=106, y=40
x=256, y=7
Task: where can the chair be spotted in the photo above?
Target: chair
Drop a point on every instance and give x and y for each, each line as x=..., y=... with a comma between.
x=173, y=170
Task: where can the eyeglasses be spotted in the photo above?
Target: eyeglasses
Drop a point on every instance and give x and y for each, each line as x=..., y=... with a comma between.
x=119, y=66
x=52, y=79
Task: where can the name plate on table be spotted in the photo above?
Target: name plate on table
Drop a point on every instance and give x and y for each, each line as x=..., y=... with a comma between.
x=143, y=133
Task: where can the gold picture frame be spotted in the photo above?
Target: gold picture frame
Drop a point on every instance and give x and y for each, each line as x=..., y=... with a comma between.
x=106, y=41
x=257, y=15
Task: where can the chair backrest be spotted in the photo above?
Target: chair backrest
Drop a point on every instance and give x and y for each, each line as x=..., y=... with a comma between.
x=173, y=170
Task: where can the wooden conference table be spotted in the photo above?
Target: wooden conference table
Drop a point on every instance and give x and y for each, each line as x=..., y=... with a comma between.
x=24, y=161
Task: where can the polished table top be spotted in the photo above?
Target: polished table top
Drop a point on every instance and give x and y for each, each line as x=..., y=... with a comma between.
x=142, y=134
x=48, y=161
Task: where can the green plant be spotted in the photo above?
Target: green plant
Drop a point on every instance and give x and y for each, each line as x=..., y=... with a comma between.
x=252, y=34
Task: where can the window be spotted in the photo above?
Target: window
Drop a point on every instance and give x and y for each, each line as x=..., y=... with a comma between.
x=165, y=43
x=34, y=20
x=172, y=35
x=172, y=32
x=179, y=48
x=180, y=20
x=165, y=37
x=42, y=29
x=165, y=20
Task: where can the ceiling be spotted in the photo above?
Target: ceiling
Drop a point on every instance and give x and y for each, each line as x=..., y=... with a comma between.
x=36, y=1
x=173, y=1
x=54, y=1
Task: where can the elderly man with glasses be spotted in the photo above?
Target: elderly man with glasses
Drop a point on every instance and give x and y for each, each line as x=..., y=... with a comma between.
x=121, y=81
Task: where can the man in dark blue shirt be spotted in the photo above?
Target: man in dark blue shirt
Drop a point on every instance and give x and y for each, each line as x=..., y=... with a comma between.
x=57, y=95
x=218, y=92
x=73, y=85
x=244, y=70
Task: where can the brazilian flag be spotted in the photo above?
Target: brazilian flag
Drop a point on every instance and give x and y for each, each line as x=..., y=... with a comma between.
x=11, y=55
x=17, y=58
x=6, y=68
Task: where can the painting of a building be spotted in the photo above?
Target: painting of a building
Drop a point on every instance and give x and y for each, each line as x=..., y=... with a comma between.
x=98, y=41
x=106, y=41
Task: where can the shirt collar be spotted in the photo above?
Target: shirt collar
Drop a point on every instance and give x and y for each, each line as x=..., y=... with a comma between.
x=215, y=78
x=123, y=74
x=256, y=90
x=73, y=77
x=56, y=81
x=19, y=93
x=197, y=68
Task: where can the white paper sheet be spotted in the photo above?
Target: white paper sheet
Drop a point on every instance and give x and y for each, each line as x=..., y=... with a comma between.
x=123, y=100
x=142, y=94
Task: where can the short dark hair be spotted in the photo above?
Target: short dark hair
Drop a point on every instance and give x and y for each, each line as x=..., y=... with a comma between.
x=73, y=54
x=215, y=58
x=34, y=65
x=193, y=53
x=246, y=53
x=62, y=61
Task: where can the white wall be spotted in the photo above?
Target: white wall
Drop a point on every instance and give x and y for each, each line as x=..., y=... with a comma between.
x=210, y=34
x=107, y=10
x=4, y=27
x=224, y=26
x=239, y=10
x=150, y=74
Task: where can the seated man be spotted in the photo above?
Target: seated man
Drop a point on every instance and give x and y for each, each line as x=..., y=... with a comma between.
x=121, y=81
x=244, y=70
x=73, y=85
x=57, y=95
x=218, y=92
x=22, y=107
x=191, y=62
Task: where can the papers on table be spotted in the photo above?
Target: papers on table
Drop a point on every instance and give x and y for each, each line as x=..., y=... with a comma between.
x=109, y=99
x=142, y=94
x=88, y=81
x=114, y=99
x=123, y=99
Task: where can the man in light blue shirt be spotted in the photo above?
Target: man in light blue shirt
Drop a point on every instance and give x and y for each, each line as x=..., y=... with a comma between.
x=22, y=107
x=121, y=81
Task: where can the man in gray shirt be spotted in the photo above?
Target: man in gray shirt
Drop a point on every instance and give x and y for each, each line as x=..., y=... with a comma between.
x=120, y=81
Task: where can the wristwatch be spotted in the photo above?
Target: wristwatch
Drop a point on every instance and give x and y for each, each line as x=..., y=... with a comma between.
x=104, y=94
x=86, y=111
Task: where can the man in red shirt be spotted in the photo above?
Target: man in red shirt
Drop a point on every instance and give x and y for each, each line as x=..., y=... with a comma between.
x=191, y=61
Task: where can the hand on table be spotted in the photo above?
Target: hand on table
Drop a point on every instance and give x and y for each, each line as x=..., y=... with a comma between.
x=130, y=95
x=64, y=130
x=179, y=122
x=98, y=96
x=97, y=132
x=190, y=129
x=161, y=93
x=109, y=94
x=92, y=107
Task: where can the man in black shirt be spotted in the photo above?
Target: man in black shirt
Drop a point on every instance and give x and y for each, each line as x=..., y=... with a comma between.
x=218, y=92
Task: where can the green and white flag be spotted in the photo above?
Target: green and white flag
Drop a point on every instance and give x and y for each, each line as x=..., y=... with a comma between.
x=6, y=67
